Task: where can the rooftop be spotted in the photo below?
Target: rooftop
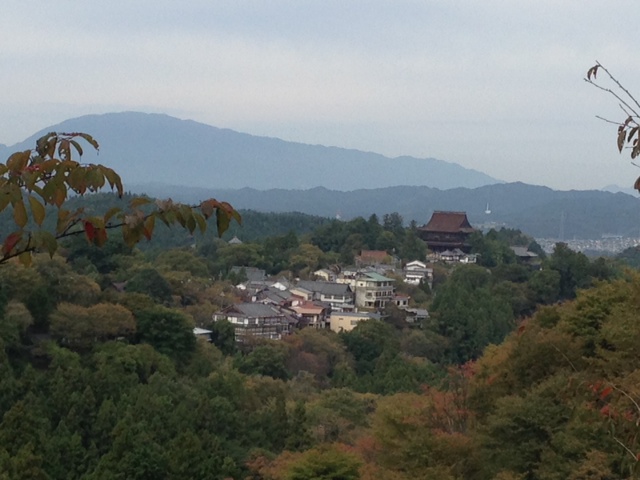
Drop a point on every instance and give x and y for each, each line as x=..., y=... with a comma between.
x=450, y=222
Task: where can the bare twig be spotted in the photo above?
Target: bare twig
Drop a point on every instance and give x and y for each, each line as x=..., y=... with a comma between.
x=620, y=86
x=629, y=451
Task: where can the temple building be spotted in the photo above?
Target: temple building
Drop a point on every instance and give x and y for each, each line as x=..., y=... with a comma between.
x=447, y=231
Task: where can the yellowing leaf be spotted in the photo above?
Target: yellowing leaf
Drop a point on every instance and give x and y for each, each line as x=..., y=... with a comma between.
x=20, y=213
x=46, y=241
x=149, y=225
x=202, y=224
x=25, y=258
x=110, y=213
x=37, y=209
x=139, y=201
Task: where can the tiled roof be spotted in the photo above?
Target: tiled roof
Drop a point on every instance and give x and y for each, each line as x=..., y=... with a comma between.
x=325, y=288
x=450, y=222
x=256, y=310
x=523, y=252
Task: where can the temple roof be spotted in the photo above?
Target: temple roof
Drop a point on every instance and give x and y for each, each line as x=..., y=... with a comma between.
x=450, y=222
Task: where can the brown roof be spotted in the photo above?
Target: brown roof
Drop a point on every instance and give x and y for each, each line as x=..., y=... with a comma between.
x=374, y=254
x=448, y=222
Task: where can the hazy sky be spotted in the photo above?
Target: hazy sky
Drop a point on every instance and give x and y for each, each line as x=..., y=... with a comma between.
x=491, y=85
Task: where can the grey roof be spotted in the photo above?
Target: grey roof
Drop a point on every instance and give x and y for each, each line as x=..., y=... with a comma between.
x=523, y=252
x=253, y=274
x=326, y=288
x=256, y=310
x=276, y=296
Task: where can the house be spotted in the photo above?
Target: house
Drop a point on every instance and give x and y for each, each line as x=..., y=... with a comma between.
x=248, y=278
x=452, y=256
x=348, y=276
x=401, y=301
x=416, y=315
x=256, y=320
x=526, y=257
x=312, y=314
x=347, y=321
x=447, y=231
x=373, y=290
x=324, y=274
x=339, y=296
x=416, y=272
x=272, y=296
x=235, y=241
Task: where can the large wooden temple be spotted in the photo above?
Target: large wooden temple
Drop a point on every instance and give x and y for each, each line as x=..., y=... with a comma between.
x=447, y=231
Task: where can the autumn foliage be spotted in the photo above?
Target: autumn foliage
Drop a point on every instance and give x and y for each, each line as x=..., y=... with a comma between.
x=31, y=180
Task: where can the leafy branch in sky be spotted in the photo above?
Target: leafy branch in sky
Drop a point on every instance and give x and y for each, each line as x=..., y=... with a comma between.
x=32, y=179
x=629, y=129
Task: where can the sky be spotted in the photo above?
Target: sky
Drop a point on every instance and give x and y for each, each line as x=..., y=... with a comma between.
x=495, y=85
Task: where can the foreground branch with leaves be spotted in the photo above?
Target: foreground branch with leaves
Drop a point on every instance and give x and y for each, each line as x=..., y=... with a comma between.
x=629, y=129
x=32, y=179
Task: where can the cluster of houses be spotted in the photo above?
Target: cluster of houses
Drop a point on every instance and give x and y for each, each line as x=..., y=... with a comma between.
x=273, y=308
x=339, y=300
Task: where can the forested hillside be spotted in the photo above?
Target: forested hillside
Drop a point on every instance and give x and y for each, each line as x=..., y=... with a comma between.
x=518, y=373
x=537, y=210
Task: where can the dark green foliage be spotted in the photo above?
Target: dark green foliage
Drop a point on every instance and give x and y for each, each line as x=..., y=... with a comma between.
x=150, y=282
x=266, y=359
x=469, y=315
x=223, y=336
x=168, y=331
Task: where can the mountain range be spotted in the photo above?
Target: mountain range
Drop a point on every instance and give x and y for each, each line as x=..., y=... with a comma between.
x=188, y=161
x=153, y=147
x=538, y=211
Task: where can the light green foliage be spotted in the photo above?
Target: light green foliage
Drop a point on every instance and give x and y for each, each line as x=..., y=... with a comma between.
x=80, y=327
x=324, y=464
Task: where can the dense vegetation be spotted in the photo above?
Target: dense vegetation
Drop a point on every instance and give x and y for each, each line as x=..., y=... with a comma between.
x=103, y=380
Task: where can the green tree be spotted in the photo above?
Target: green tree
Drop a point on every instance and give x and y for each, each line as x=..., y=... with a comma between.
x=223, y=336
x=168, y=331
x=324, y=463
x=150, y=282
x=469, y=315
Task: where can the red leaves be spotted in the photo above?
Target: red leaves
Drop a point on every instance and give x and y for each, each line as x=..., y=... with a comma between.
x=10, y=242
x=605, y=393
x=89, y=231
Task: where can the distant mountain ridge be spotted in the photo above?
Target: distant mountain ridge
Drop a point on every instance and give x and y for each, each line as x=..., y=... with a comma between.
x=154, y=147
x=537, y=211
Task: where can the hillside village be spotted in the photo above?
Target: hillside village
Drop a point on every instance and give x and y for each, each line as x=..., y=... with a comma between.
x=340, y=298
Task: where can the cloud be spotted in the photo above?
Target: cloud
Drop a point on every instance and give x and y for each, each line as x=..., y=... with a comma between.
x=494, y=85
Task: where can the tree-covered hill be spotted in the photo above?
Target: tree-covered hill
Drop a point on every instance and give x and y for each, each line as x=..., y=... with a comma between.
x=101, y=375
x=539, y=211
